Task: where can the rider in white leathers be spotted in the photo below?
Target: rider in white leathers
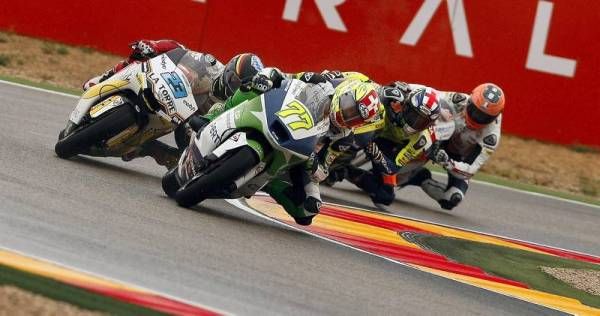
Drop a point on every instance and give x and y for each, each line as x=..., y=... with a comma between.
x=476, y=137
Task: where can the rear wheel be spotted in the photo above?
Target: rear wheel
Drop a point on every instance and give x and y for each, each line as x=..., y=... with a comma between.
x=104, y=128
x=224, y=174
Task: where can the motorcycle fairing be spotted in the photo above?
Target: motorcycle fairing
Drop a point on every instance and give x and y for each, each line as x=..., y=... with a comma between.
x=122, y=80
x=171, y=88
x=290, y=123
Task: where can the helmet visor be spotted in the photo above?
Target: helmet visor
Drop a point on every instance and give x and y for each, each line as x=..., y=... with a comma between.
x=416, y=120
x=231, y=81
x=477, y=115
x=350, y=114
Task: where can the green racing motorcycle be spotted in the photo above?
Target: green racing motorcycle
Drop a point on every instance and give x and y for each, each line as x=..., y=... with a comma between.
x=251, y=144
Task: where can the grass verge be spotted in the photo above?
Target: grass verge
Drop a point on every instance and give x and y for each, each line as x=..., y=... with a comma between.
x=41, y=85
x=513, y=264
x=480, y=176
x=63, y=292
x=484, y=177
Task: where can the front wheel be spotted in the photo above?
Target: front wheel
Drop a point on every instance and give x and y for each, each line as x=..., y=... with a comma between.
x=104, y=128
x=170, y=185
x=225, y=173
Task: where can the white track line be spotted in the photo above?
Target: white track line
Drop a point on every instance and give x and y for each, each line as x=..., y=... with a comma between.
x=476, y=181
x=99, y=276
x=526, y=192
x=39, y=89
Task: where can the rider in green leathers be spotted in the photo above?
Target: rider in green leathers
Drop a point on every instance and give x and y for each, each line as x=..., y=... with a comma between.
x=353, y=103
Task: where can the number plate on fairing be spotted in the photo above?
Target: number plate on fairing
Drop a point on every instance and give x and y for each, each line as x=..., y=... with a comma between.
x=171, y=88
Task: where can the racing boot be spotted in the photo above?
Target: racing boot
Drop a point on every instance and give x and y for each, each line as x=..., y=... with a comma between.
x=448, y=199
x=381, y=194
x=293, y=201
x=451, y=199
x=162, y=153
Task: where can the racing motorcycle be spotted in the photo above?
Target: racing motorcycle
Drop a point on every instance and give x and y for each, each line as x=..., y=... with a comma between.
x=250, y=144
x=142, y=102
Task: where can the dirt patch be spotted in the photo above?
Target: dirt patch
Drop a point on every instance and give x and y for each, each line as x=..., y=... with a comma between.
x=569, y=169
x=14, y=301
x=586, y=280
x=49, y=62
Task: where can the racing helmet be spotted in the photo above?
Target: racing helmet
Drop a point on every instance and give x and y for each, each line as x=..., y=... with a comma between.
x=485, y=104
x=354, y=103
x=419, y=110
x=240, y=69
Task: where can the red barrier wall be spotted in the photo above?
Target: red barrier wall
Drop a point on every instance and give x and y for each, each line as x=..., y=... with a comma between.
x=555, y=98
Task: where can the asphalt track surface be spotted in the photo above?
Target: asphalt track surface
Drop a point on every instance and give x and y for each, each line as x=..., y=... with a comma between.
x=111, y=218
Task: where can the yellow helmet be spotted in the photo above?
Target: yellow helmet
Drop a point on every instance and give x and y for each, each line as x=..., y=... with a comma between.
x=355, y=103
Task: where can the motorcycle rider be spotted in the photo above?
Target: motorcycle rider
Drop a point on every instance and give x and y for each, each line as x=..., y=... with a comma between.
x=353, y=103
x=409, y=113
x=225, y=80
x=474, y=140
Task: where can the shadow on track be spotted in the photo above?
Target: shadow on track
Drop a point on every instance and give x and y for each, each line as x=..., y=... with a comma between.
x=115, y=169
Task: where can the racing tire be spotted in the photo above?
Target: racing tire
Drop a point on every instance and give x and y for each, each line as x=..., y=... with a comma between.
x=228, y=170
x=104, y=128
x=170, y=185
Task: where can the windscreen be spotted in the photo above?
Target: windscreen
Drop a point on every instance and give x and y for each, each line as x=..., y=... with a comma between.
x=194, y=67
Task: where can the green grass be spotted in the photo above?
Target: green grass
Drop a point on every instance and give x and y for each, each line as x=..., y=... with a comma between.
x=590, y=186
x=41, y=85
x=66, y=293
x=62, y=50
x=48, y=48
x=481, y=176
x=513, y=264
x=87, y=50
x=584, y=149
x=4, y=60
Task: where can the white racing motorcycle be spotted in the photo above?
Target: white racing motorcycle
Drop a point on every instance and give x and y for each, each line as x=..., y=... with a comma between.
x=142, y=102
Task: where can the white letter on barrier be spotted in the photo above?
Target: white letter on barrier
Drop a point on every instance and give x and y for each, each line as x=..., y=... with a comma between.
x=536, y=59
x=332, y=18
x=458, y=25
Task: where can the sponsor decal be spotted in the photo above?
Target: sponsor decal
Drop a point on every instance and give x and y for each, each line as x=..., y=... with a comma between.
x=343, y=147
x=308, y=75
x=175, y=84
x=300, y=117
x=214, y=134
x=190, y=106
x=166, y=99
x=163, y=61
x=420, y=143
x=492, y=94
x=152, y=76
x=490, y=140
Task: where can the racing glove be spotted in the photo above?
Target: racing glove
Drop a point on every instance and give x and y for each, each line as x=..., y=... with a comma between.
x=402, y=86
x=379, y=160
x=260, y=83
x=143, y=49
x=317, y=171
x=441, y=157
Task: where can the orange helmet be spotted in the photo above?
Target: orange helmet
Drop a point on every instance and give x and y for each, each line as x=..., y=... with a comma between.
x=485, y=104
